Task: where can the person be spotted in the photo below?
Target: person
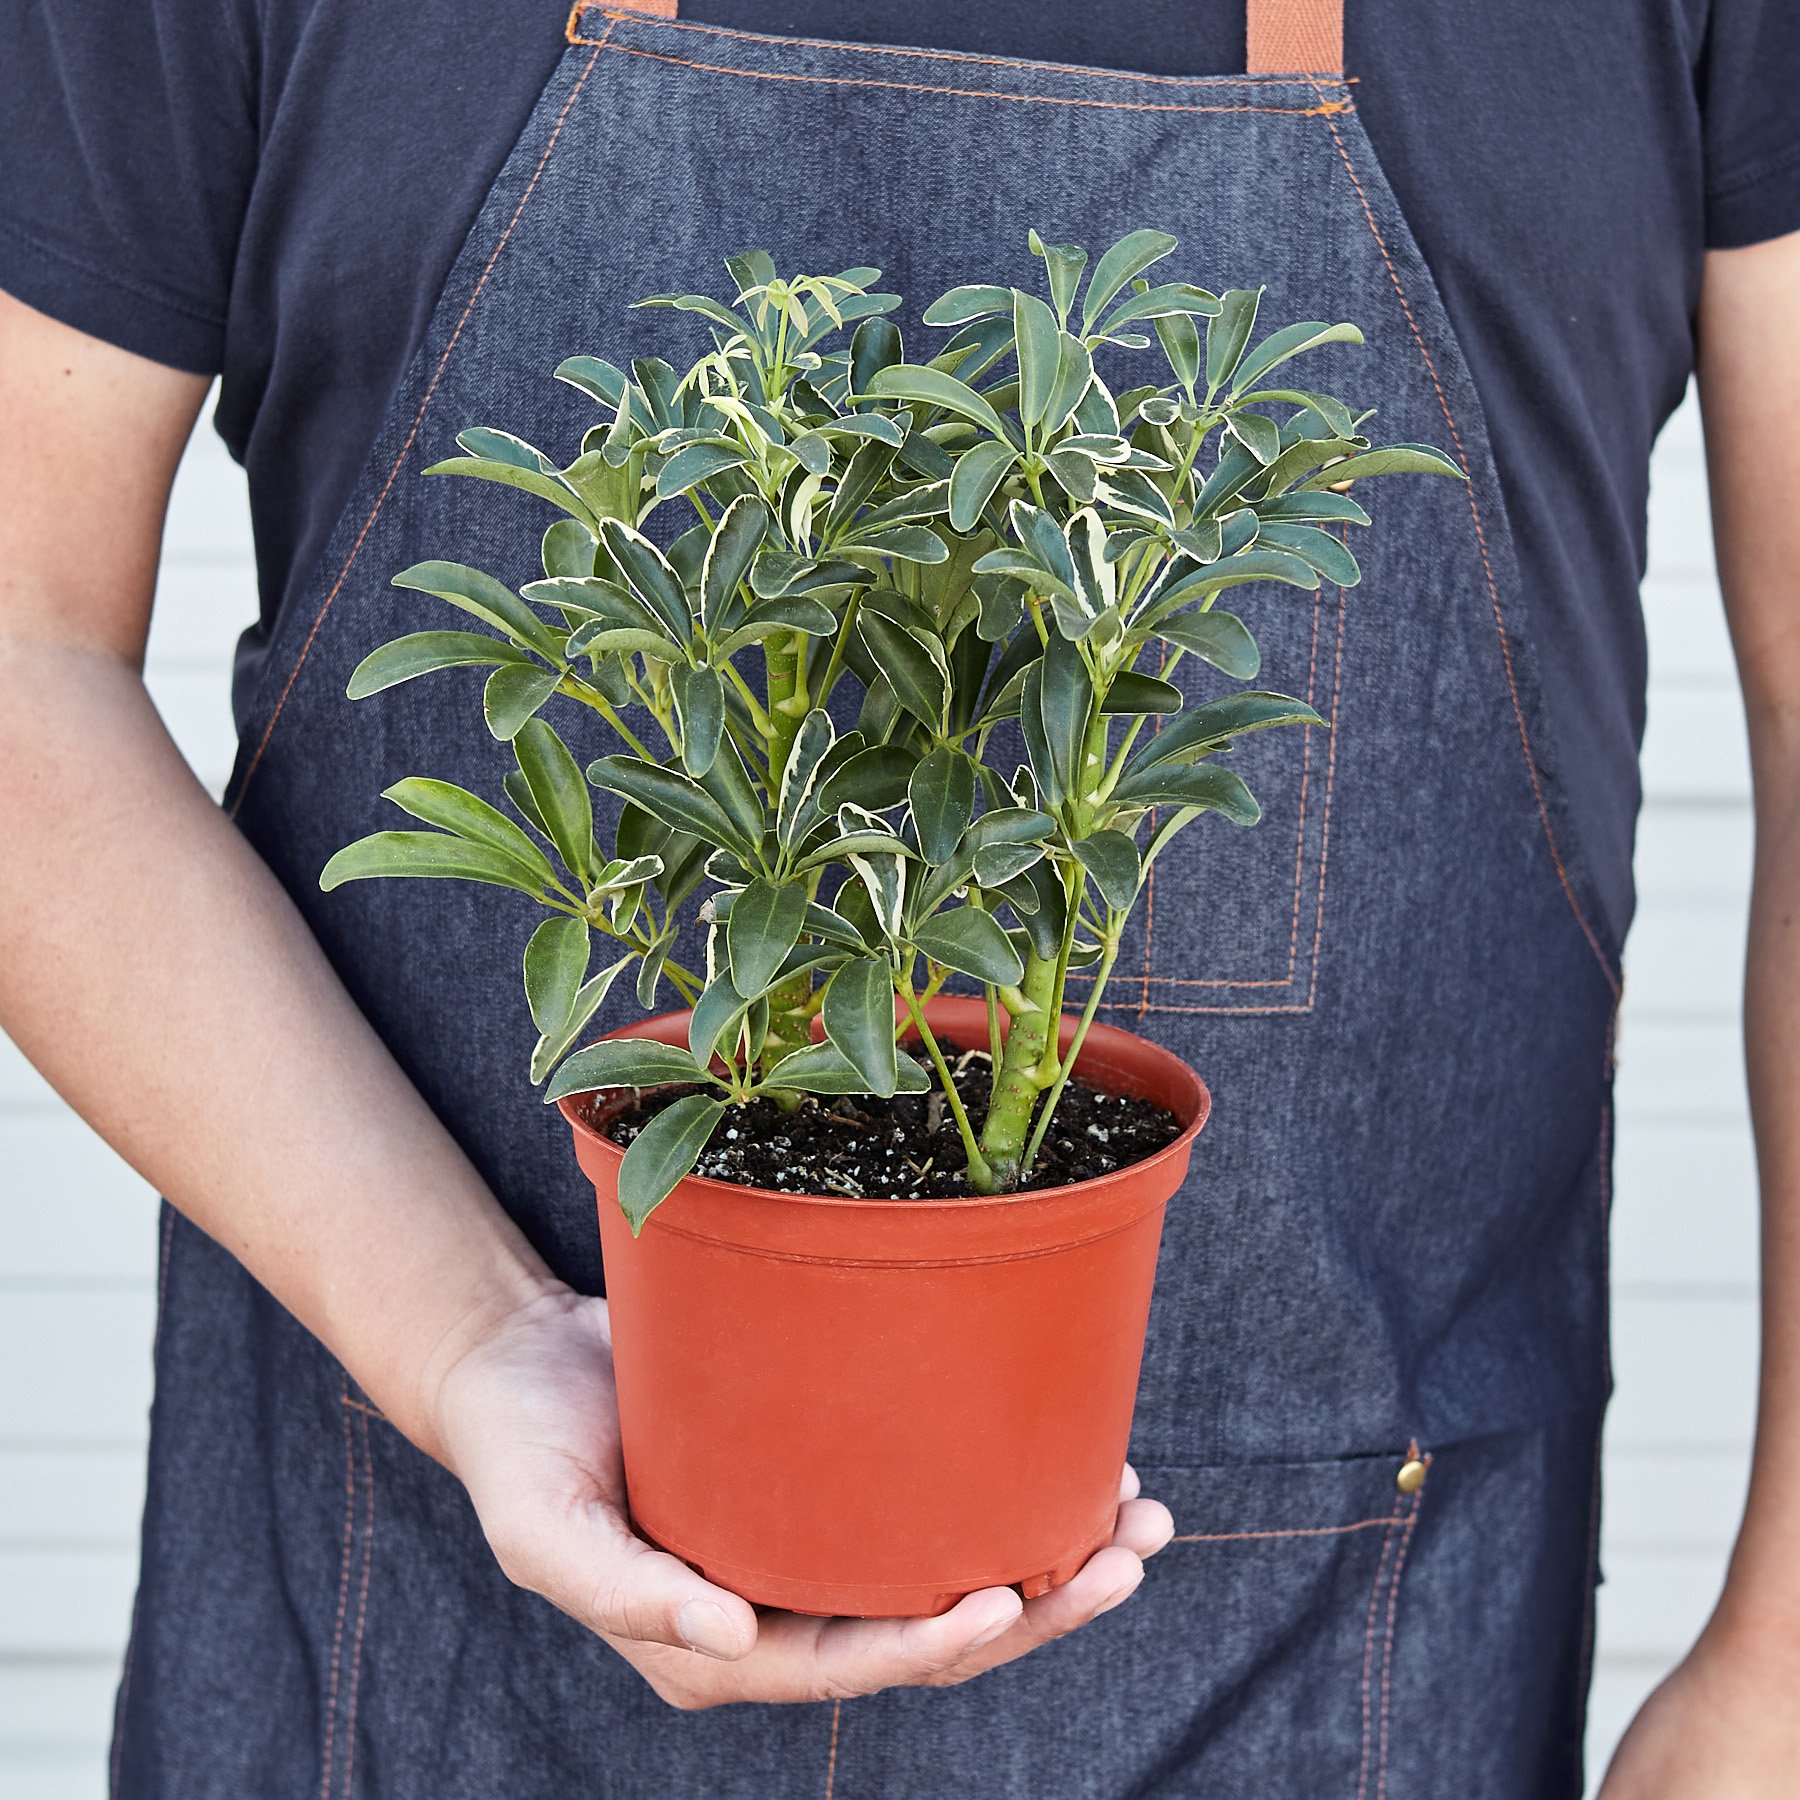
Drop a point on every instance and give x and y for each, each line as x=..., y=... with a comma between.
x=1376, y=1368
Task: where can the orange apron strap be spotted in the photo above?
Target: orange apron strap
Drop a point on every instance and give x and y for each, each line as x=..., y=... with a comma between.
x=1295, y=37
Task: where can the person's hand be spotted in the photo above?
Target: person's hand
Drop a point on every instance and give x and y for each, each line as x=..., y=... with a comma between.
x=528, y=1421
x=1725, y=1725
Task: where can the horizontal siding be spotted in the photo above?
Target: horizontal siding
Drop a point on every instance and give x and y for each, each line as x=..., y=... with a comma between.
x=78, y=1228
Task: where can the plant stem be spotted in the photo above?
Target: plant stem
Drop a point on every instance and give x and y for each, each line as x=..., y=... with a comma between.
x=1109, y=956
x=1019, y=1084
x=785, y=660
x=981, y=1175
x=577, y=689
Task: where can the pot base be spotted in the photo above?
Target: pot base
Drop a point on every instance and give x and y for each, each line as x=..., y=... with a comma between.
x=903, y=1600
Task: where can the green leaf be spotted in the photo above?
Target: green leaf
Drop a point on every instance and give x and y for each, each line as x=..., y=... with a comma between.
x=491, y=601
x=1180, y=338
x=979, y=471
x=1039, y=349
x=765, y=924
x=932, y=387
x=1199, y=787
x=1112, y=859
x=452, y=808
x=716, y=1012
x=663, y=1152
x=1128, y=258
x=1289, y=341
x=547, y=487
x=1134, y=692
x=671, y=796
x=623, y=1062
x=556, y=964
x=1220, y=638
x=1065, y=693
x=824, y=1069
x=562, y=796
x=942, y=793
x=1315, y=505
x=794, y=807
x=858, y=1012
x=423, y=651
x=1064, y=264
x=735, y=541
x=1319, y=549
x=1214, y=723
x=651, y=579
x=906, y=543
x=1389, y=459
x=1227, y=334
x=554, y=1045
x=425, y=853
x=1259, y=435
x=972, y=942
x=961, y=304
x=513, y=694
x=693, y=464
x=914, y=666
x=700, y=702
x=873, y=779
x=1231, y=571
x=594, y=376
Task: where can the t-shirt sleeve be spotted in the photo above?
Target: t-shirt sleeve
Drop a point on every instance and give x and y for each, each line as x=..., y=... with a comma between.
x=1750, y=103
x=129, y=149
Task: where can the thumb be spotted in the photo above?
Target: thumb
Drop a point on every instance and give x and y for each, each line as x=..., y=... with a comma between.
x=588, y=1562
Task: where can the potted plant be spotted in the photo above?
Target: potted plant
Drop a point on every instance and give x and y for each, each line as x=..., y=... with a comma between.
x=877, y=656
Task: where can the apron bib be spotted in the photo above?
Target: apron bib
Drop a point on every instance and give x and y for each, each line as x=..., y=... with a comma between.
x=1397, y=987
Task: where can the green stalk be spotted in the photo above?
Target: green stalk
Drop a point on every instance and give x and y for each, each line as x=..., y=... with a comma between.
x=785, y=660
x=981, y=1175
x=1109, y=956
x=1021, y=1078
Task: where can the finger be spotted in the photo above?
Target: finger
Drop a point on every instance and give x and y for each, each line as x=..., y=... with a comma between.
x=842, y=1658
x=1129, y=1485
x=1144, y=1527
x=588, y=1562
x=1107, y=1579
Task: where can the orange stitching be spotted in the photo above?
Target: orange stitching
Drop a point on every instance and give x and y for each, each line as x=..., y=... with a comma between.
x=1146, y=1005
x=337, y=1633
x=1337, y=694
x=362, y=1604
x=362, y=1406
x=606, y=8
x=1309, y=1531
x=837, y=1712
x=411, y=436
x=1368, y=1656
x=916, y=87
x=1387, y=1648
x=1512, y=686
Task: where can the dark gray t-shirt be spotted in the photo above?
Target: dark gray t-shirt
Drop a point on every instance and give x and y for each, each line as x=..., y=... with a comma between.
x=274, y=190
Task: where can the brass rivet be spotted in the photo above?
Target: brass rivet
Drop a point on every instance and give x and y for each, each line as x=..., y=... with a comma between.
x=1412, y=1475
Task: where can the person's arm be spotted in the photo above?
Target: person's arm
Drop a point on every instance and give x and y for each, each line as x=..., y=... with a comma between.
x=1726, y=1724
x=157, y=974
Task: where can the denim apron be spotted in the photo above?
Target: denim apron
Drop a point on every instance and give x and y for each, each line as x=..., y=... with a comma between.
x=1391, y=1247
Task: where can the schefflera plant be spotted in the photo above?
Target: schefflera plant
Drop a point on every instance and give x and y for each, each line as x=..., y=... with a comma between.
x=887, y=702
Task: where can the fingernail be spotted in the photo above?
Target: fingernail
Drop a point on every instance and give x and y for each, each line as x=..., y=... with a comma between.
x=704, y=1627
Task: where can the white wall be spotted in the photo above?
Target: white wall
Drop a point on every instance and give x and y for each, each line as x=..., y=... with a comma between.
x=77, y=1250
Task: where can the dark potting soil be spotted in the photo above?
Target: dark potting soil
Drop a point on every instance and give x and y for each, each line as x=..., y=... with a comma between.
x=906, y=1148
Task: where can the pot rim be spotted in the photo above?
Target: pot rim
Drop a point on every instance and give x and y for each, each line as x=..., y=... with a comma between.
x=1112, y=1035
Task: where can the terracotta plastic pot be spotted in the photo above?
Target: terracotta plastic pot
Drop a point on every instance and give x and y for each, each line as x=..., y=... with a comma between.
x=875, y=1407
